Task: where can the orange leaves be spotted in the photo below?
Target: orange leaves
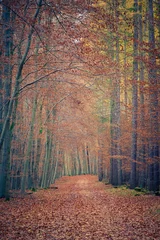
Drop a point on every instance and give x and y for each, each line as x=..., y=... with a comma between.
x=81, y=208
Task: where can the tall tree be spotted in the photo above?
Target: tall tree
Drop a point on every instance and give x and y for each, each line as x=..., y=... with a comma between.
x=11, y=87
x=134, y=97
x=116, y=175
x=153, y=95
x=7, y=75
x=142, y=173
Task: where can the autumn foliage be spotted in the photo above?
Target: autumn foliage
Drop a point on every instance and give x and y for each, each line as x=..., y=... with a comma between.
x=79, y=93
x=81, y=208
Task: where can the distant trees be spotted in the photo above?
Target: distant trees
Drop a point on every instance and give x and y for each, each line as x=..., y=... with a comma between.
x=12, y=74
x=79, y=92
x=36, y=51
x=133, y=29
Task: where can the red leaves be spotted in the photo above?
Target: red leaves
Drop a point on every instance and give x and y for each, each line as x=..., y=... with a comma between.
x=81, y=208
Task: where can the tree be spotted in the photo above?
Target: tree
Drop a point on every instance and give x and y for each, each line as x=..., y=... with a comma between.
x=9, y=96
x=79, y=92
x=154, y=124
x=116, y=175
x=133, y=179
x=7, y=71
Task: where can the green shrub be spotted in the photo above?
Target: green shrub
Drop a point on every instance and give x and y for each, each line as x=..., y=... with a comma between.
x=138, y=189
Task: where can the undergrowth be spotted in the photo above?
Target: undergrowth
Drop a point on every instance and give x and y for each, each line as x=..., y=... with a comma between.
x=124, y=190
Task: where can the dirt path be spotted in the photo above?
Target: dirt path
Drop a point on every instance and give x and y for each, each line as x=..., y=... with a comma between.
x=81, y=208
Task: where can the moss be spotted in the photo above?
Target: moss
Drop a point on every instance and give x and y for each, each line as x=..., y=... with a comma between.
x=138, y=189
x=137, y=194
x=33, y=189
x=125, y=191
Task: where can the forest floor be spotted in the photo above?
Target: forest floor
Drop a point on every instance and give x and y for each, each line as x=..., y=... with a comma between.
x=81, y=208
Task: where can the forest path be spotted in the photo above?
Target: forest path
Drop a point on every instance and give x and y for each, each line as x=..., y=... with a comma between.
x=81, y=208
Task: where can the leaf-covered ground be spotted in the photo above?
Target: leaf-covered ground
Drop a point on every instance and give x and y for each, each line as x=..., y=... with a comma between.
x=81, y=208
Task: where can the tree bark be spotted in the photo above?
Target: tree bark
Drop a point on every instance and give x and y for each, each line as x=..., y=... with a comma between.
x=154, y=123
x=133, y=182
x=5, y=152
x=116, y=172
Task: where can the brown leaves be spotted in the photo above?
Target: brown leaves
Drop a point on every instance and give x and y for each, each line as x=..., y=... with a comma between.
x=81, y=208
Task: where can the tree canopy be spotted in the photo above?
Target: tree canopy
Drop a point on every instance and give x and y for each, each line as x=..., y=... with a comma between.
x=79, y=92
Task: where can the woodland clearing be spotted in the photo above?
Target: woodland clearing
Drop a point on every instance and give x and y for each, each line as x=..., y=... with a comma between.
x=80, y=208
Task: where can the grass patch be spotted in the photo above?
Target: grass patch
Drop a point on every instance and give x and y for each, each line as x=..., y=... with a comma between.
x=124, y=190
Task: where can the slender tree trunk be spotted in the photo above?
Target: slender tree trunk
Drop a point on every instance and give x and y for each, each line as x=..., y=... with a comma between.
x=27, y=162
x=125, y=68
x=133, y=182
x=154, y=124
x=118, y=131
x=47, y=159
x=79, y=162
x=116, y=171
x=5, y=153
x=66, y=171
x=37, y=162
x=1, y=111
x=85, y=167
x=100, y=165
x=88, y=159
x=142, y=176
x=1, y=81
x=56, y=165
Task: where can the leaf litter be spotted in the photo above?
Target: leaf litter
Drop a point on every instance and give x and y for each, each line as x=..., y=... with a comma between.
x=80, y=208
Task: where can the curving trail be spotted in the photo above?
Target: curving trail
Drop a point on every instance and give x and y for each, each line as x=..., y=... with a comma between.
x=81, y=208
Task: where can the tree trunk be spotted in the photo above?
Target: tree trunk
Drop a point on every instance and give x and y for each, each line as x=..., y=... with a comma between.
x=27, y=162
x=88, y=160
x=100, y=165
x=154, y=124
x=36, y=164
x=116, y=172
x=133, y=182
x=5, y=152
x=142, y=174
